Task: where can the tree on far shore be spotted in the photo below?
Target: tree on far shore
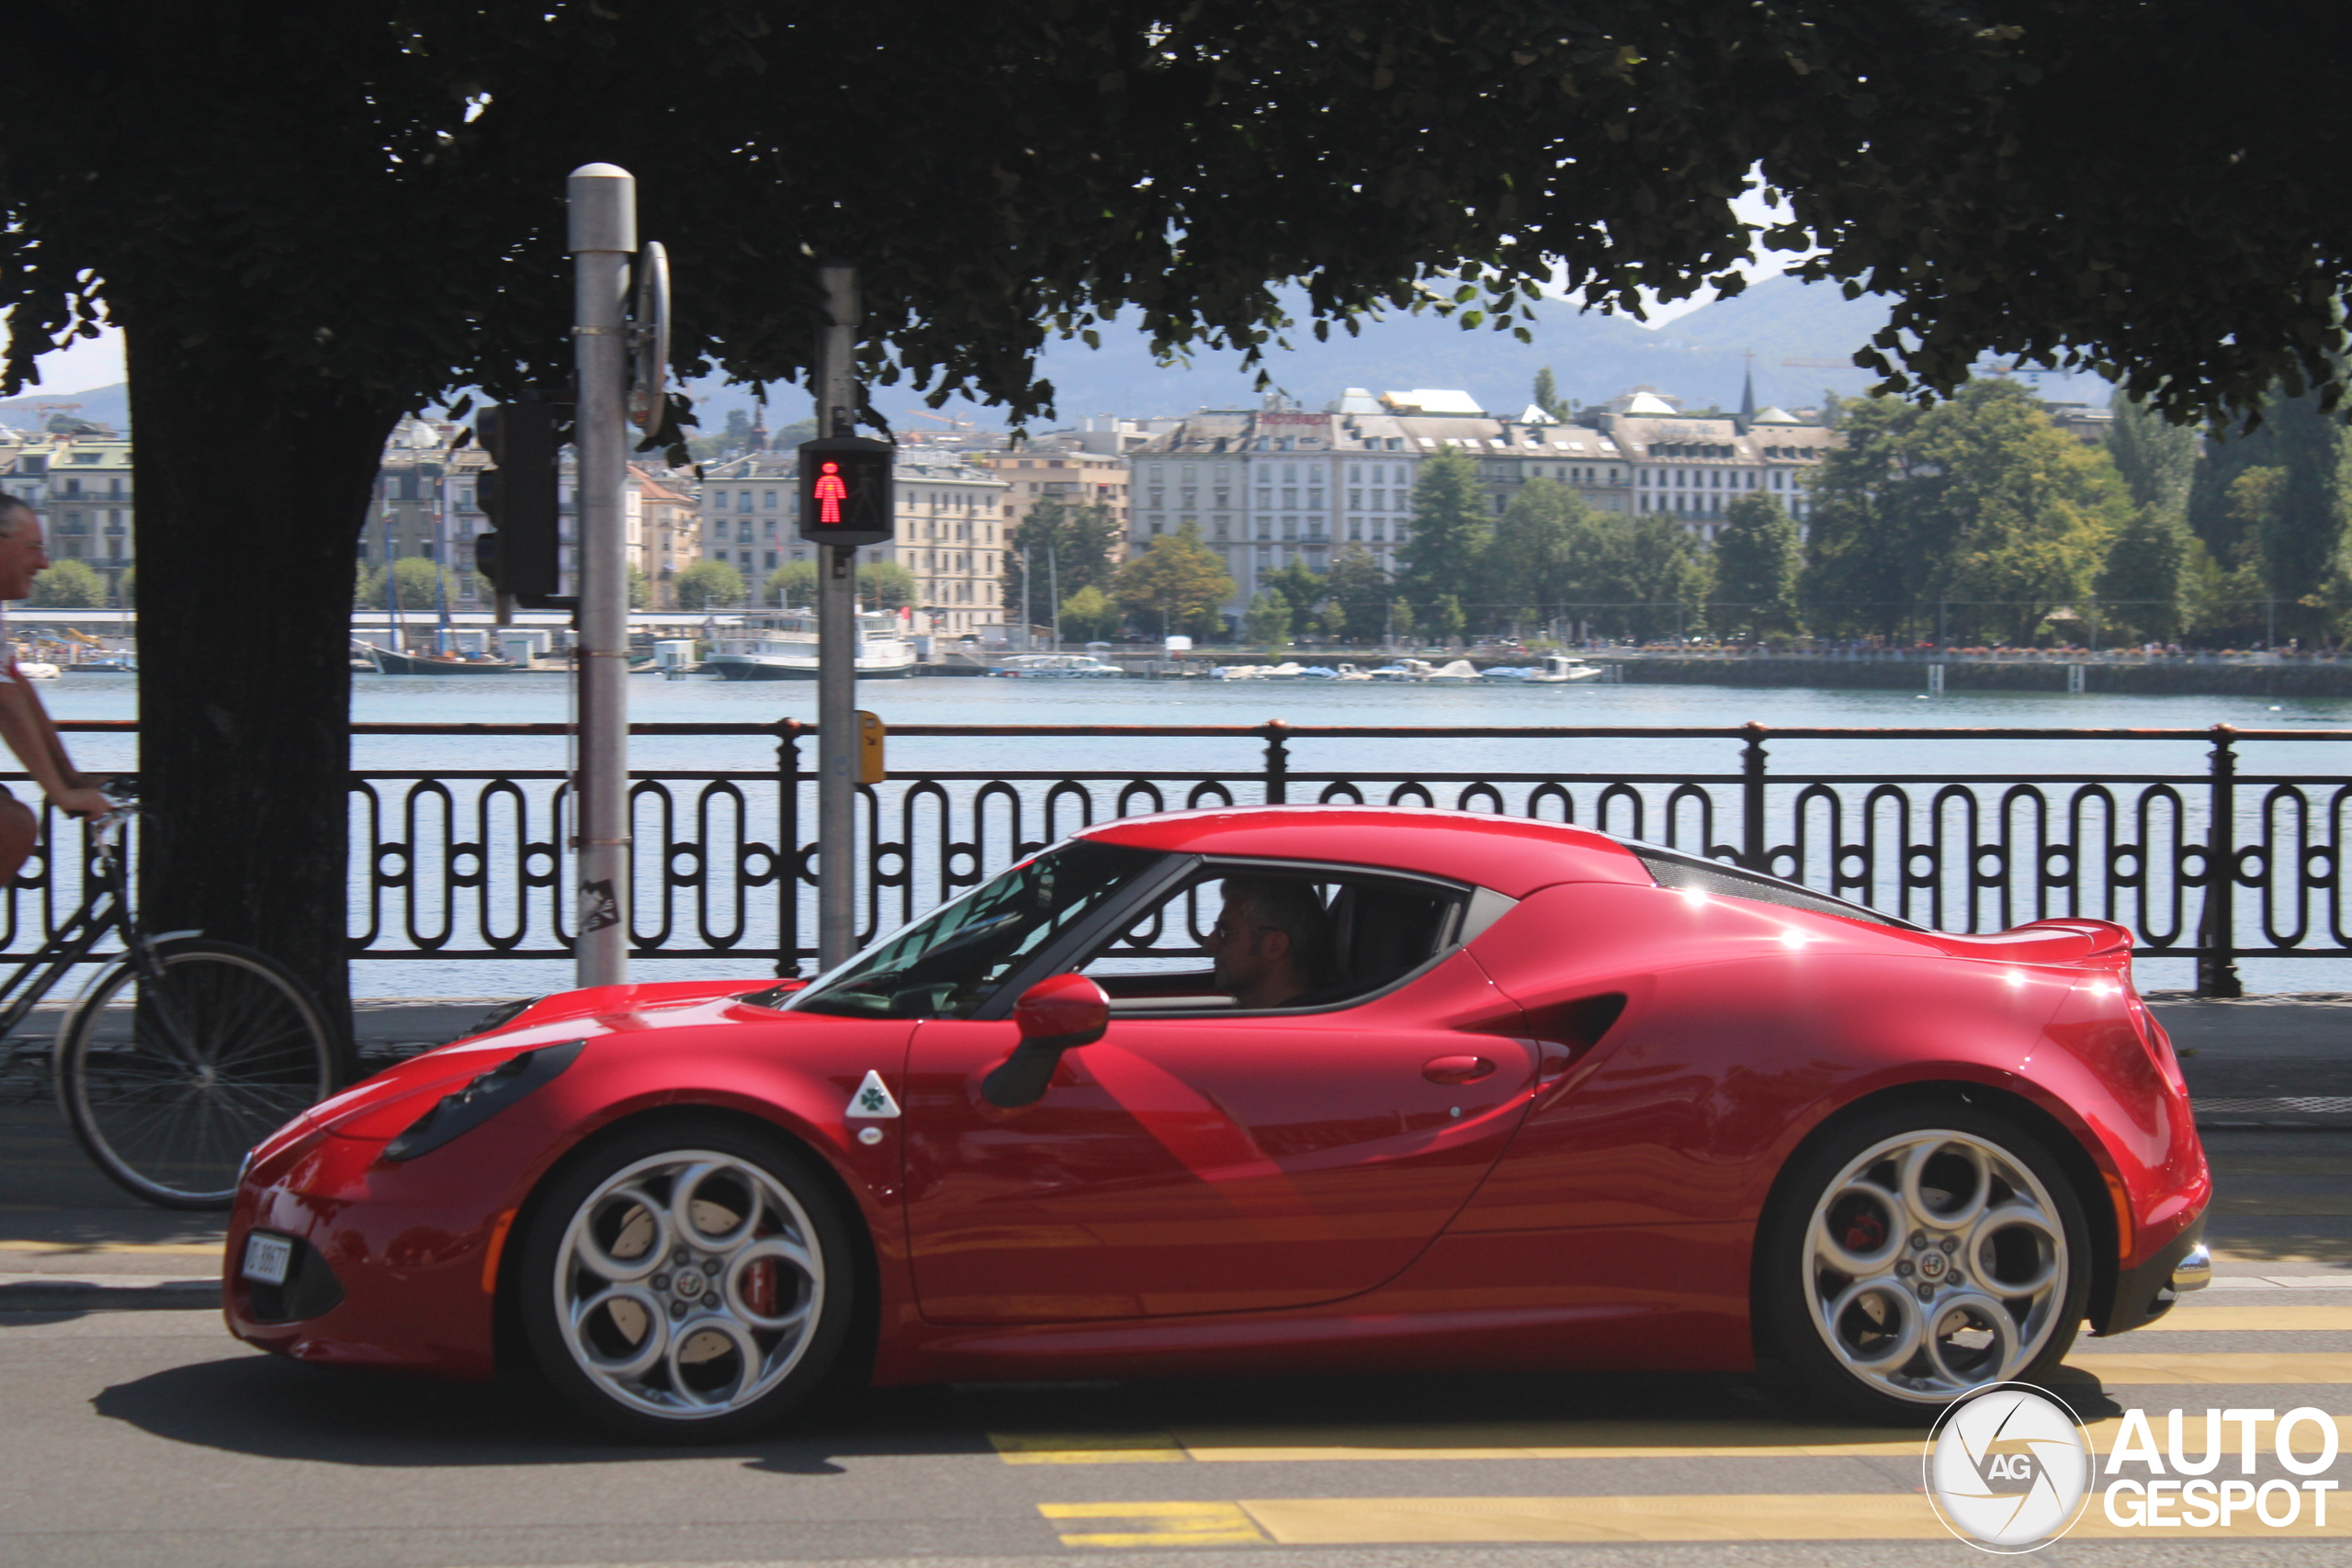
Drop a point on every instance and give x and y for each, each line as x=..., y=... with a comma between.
x=69, y=585
x=1359, y=591
x=708, y=585
x=1449, y=534
x=1060, y=547
x=1267, y=622
x=1759, y=556
x=1176, y=584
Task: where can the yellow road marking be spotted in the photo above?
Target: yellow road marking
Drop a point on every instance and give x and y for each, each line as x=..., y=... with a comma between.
x=2250, y=1319
x=1162, y=1524
x=1742, y=1439
x=174, y=1248
x=2216, y=1367
x=1087, y=1447
x=1899, y=1515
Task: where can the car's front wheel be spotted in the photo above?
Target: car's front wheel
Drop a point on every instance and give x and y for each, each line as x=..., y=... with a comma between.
x=1917, y=1254
x=688, y=1281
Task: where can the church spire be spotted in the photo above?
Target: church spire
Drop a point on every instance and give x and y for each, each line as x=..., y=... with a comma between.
x=759, y=441
x=1747, y=396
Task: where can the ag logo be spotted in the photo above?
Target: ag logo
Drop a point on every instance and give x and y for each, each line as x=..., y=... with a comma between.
x=2008, y=1468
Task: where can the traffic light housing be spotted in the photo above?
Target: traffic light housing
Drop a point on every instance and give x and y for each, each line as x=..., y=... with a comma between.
x=845, y=498
x=520, y=556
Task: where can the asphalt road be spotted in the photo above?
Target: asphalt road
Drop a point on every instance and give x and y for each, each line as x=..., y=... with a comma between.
x=140, y=1437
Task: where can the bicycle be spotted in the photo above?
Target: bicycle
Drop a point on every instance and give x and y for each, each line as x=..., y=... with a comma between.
x=182, y=1055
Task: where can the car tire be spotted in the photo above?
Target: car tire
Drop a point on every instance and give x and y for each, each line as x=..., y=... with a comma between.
x=1916, y=1253
x=689, y=1280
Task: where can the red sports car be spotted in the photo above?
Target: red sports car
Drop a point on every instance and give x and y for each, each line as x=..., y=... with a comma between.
x=1313, y=1087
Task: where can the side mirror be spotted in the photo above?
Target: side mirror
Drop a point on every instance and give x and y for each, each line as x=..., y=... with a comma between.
x=1057, y=1013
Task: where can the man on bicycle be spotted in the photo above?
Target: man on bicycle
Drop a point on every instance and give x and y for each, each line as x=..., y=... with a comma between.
x=23, y=722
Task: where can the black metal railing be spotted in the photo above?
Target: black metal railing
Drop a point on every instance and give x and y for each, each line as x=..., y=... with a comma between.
x=2209, y=863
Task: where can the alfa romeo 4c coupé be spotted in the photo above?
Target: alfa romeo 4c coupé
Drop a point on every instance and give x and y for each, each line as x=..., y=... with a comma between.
x=1295, y=1088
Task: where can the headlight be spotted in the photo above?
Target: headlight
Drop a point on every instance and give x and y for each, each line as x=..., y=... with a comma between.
x=459, y=1113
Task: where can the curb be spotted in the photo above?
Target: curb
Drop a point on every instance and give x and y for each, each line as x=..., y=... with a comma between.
x=108, y=1292
x=2331, y=1111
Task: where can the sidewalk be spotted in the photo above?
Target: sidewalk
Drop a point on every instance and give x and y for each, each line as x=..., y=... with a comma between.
x=2271, y=1077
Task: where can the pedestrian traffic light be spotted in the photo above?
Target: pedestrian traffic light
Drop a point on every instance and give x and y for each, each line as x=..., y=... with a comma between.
x=519, y=496
x=845, y=491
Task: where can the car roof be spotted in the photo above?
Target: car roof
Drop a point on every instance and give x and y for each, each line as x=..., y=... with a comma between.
x=1511, y=855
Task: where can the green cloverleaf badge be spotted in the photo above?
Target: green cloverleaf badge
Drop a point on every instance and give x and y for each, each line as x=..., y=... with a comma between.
x=873, y=1098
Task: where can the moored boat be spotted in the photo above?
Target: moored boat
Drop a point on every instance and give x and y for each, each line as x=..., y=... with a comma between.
x=781, y=645
x=1059, y=667
x=391, y=661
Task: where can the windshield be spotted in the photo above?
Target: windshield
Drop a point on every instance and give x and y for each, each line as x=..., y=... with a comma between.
x=950, y=962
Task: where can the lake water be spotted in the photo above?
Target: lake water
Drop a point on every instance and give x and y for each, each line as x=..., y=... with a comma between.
x=959, y=701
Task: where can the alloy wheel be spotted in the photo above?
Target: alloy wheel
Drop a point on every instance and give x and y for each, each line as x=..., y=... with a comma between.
x=688, y=1285
x=1935, y=1261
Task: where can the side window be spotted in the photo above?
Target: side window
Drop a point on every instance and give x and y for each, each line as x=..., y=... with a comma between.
x=1690, y=873
x=1251, y=938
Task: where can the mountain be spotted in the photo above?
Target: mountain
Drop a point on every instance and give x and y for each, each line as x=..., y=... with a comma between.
x=100, y=405
x=1698, y=357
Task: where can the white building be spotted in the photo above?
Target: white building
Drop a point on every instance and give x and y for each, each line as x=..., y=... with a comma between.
x=1695, y=466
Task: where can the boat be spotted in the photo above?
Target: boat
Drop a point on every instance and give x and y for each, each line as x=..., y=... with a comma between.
x=1559, y=669
x=1059, y=667
x=1457, y=672
x=1403, y=670
x=781, y=645
x=36, y=669
x=390, y=662
x=1350, y=672
x=110, y=665
x=1555, y=670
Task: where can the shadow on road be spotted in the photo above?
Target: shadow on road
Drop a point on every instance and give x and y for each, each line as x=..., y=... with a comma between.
x=274, y=1408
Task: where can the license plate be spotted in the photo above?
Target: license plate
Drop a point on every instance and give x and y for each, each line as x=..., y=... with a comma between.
x=266, y=1258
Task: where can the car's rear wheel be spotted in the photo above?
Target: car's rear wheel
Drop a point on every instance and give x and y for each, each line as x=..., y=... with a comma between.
x=1917, y=1254
x=689, y=1282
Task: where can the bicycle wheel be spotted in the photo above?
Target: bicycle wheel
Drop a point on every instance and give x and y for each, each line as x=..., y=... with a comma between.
x=168, y=1086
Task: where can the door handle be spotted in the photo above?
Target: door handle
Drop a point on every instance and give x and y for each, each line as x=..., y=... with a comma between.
x=1456, y=1069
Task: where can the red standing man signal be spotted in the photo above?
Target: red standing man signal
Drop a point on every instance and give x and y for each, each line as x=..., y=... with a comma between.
x=845, y=491
x=830, y=493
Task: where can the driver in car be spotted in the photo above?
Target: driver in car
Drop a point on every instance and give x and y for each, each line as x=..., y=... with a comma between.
x=1271, y=942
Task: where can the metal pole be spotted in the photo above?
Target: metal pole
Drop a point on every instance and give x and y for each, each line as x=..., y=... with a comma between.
x=603, y=205
x=836, y=641
x=444, y=639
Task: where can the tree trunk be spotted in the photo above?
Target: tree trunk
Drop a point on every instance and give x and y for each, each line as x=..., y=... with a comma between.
x=251, y=497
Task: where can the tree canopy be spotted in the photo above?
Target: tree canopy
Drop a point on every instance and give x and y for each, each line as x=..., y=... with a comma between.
x=311, y=219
